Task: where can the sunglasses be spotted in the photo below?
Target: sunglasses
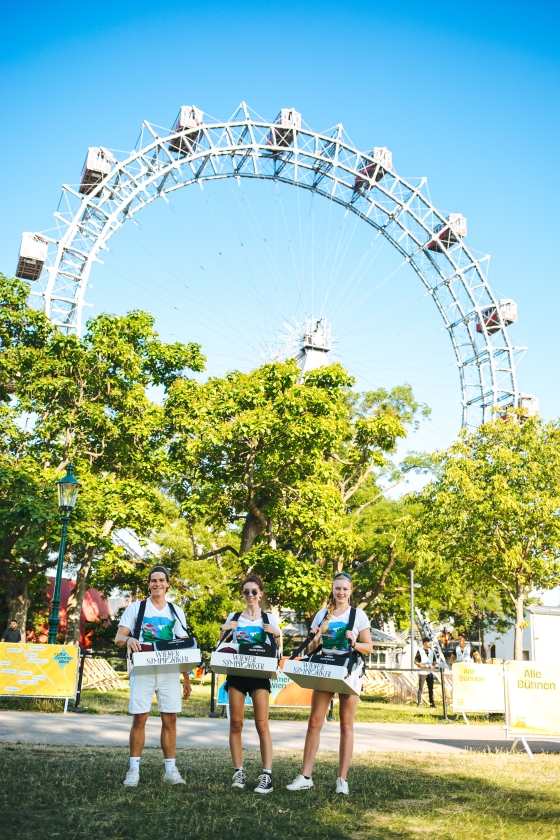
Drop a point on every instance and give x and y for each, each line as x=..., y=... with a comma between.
x=344, y=575
x=250, y=592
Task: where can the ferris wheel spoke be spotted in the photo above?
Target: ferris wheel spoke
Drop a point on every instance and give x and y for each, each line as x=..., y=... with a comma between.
x=296, y=271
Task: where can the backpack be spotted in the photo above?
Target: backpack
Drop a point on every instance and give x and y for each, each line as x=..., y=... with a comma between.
x=173, y=644
x=268, y=649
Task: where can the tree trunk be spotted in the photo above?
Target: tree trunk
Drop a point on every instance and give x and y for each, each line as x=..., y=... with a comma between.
x=519, y=619
x=76, y=599
x=251, y=530
x=271, y=536
x=380, y=585
x=18, y=601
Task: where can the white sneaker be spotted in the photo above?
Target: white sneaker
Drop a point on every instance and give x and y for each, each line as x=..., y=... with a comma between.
x=238, y=779
x=132, y=777
x=342, y=786
x=173, y=778
x=300, y=783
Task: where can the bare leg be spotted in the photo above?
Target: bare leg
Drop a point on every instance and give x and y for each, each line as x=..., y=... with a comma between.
x=320, y=701
x=168, y=734
x=138, y=734
x=261, y=701
x=348, y=706
x=236, y=715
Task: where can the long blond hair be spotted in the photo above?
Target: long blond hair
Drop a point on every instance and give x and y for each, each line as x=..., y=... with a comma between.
x=331, y=606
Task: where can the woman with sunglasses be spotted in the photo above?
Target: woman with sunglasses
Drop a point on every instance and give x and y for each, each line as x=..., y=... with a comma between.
x=250, y=629
x=330, y=627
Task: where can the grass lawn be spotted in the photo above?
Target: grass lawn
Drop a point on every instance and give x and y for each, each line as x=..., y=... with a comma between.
x=370, y=710
x=71, y=793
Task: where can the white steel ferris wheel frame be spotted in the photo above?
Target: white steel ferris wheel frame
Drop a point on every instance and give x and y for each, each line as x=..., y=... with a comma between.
x=246, y=146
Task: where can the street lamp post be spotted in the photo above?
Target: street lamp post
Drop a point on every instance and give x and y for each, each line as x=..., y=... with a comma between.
x=67, y=495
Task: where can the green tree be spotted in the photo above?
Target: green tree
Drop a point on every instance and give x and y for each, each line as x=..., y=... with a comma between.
x=245, y=446
x=82, y=399
x=493, y=510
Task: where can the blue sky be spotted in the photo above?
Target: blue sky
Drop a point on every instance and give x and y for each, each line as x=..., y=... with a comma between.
x=466, y=94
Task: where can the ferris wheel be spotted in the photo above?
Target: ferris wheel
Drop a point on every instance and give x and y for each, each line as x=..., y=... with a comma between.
x=199, y=150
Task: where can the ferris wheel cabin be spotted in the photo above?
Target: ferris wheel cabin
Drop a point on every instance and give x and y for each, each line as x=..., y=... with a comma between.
x=32, y=256
x=96, y=168
x=528, y=403
x=494, y=316
x=284, y=125
x=372, y=171
x=188, y=123
x=448, y=233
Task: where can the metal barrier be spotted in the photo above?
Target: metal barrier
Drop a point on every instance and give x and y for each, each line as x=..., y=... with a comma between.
x=441, y=669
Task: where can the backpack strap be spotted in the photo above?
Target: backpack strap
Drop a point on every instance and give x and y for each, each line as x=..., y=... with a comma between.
x=310, y=637
x=351, y=619
x=139, y=619
x=229, y=637
x=272, y=640
x=176, y=614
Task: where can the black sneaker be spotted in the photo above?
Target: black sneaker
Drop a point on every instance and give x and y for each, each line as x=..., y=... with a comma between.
x=238, y=780
x=265, y=784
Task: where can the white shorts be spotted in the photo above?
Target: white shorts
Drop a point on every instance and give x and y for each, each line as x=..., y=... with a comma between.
x=143, y=686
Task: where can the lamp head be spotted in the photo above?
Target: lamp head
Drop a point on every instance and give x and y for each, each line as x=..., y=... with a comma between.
x=68, y=490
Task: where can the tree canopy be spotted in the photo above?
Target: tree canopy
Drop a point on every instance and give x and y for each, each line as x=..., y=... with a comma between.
x=493, y=510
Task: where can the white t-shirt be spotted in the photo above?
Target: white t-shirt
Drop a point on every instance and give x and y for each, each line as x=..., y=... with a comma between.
x=463, y=655
x=250, y=632
x=157, y=625
x=335, y=636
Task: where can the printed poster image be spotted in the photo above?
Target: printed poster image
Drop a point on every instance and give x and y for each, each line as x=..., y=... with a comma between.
x=284, y=692
x=34, y=670
x=533, y=698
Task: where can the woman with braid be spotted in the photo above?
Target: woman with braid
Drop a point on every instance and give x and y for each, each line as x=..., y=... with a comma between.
x=330, y=627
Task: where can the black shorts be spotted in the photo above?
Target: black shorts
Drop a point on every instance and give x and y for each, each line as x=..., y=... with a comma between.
x=246, y=685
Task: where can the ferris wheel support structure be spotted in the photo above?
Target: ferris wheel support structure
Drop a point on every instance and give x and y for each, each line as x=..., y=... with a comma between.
x=196, y=150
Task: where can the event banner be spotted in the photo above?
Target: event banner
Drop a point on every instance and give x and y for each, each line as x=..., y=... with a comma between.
x=533, y=698
x=284, y=692
x=29, y=670
x=478, y=688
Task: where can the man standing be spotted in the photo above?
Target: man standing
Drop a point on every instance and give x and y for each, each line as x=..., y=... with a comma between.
x=11, y=633
x=426, y=659
x=462, y=651
x=145, y=622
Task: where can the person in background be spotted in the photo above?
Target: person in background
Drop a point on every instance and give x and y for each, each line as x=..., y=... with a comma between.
x=462, y=652
x=11, y=633
x=426, y=659
x=477, y=658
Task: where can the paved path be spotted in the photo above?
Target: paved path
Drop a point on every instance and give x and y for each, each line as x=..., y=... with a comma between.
x=206, y=733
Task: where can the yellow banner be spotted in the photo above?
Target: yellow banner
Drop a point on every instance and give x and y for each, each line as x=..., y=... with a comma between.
x=29, y=670
x=533, y=698
x=478, y=688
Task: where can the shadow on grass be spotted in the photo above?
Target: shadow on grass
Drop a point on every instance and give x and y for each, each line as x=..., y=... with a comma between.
x=75, y=793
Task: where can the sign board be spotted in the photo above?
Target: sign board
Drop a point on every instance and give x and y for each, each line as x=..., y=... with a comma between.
x=323, y=677
x=180, y=660
x=284, y=692
x=533, y=698
x=30, y=670
x=242, y=665
x=478, y=688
